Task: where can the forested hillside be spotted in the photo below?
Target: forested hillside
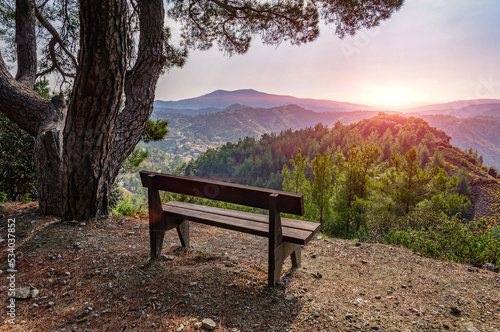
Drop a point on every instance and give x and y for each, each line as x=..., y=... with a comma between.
x=389, y=179
x=260, y=161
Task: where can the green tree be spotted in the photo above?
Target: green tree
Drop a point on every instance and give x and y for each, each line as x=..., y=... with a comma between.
x=352, y=182
x=116, y=50
x=406, y=184
x=321, y=186
x=295, y=180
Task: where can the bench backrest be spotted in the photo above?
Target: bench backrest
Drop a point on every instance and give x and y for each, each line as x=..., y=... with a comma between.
x=223, y=191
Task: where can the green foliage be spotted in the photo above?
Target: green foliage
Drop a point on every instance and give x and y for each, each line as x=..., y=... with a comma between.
x=451, y=204
x=133, y=162
x=451, y=240
x=295, y=180
x=3, y=197
x=130, y=206
x=17, y=161
x=321, y=186
x=463, y=182
x=155, y=131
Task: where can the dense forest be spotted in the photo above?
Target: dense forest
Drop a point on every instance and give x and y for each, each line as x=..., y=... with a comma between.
x=388, y=179
x=260, y=162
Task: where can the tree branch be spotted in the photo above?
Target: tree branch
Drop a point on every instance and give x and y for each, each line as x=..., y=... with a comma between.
x=22, y=104
x=56, y=37
x=26, y=42
x=140, y=82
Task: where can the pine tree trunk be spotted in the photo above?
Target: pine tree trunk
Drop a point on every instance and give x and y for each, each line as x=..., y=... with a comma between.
x=49, y=161
x=94, y=107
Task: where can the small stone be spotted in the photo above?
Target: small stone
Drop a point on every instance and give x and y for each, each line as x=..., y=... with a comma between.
x=289, y=297
x=96, y=315
x=490, y=267
x=67, y=274
x=34, y=292
x=131, y=233
x=51, y=304
x=471, y=269
x=198, y=325
x=180, y=328
x=82, y=224
x=358, y=244
x=456, y=311
x=33, y=306
x=349, y=316
x=106, y=311
x=378, y=297
x=472, y=329
x=168, y=257
x=22, y=293
x=208, y=324
x=316, y=314
x=364, y=262
x=194, y=283
x=313, y=255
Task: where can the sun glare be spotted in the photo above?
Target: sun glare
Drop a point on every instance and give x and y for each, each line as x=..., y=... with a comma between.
x=391, y=98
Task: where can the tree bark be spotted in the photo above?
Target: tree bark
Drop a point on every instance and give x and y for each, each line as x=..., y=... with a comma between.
x=140, y=85
x=94, y=107
x=26, y=42
x=49, y=161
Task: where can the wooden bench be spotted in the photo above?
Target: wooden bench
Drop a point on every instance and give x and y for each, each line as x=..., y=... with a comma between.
x=285, y=235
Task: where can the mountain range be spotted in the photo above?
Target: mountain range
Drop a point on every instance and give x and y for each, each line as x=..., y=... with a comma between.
x=230, y=115
x=222, y=99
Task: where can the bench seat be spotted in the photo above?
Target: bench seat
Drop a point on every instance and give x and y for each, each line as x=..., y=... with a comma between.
x=294, y=231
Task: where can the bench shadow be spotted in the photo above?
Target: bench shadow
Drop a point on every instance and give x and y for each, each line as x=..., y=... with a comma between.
x=198, y=285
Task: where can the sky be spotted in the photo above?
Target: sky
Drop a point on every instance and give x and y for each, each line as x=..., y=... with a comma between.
x=430, y=51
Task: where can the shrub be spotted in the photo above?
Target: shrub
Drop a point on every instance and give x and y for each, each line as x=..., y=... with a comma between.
x=451, y=240
x=3, y=197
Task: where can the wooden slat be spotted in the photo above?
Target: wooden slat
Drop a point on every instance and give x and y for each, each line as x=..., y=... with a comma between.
x=291, y=223
x=244, y=225
x=223, y=191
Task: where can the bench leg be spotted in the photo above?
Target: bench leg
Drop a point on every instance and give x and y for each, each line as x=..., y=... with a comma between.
x=156, y=241
x=274, y=268
x=183, y=231
x=295, y=256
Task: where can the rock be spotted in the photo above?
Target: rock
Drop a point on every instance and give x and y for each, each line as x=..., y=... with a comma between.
x=456, y=311
x=358, y=244
x=208, y=324
x=490, y=267
x=34, y=292
x=289, y=297
x=106, y=311
x=472, y=329
x=314, y=255
x=51, y=304
x=198, y=325
x=378, y=297
x=168, y=257
x=317, y=275
x=23, y=293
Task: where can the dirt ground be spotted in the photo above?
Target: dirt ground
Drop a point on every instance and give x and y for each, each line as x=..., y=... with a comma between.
x=95, y=276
